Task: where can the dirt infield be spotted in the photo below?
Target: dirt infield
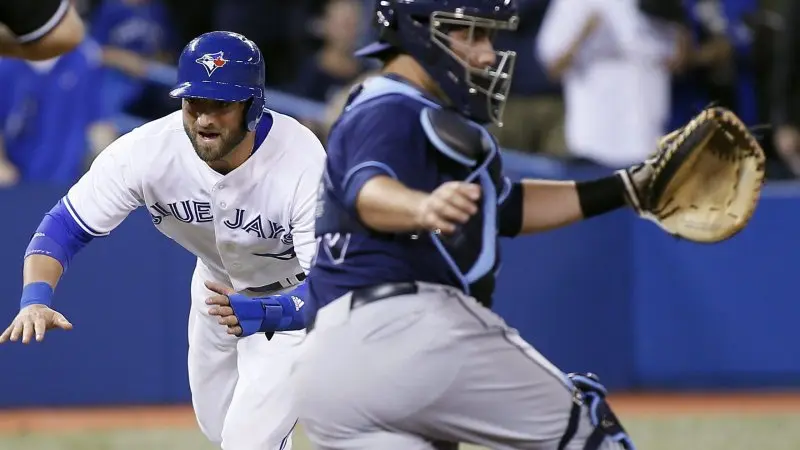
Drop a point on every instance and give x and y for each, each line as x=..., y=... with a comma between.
x=22, y=421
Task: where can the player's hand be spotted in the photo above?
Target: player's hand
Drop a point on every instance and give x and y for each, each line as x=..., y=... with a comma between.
x=34, y=319
x=221, y=307
x=450, y=205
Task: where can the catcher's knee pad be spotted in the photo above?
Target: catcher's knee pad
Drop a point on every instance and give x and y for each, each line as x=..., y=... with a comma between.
x=590, y=393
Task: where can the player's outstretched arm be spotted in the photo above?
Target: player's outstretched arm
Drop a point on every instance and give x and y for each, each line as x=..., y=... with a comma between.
x=549, y=204
x=57, y=239
x=94, y=206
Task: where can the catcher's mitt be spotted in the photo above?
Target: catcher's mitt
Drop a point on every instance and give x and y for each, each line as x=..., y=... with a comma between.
x=704, y=181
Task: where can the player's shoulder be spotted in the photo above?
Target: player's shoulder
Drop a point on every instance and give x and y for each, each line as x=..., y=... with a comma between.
x=390, y=114
x=386, y=109
x=298, y=143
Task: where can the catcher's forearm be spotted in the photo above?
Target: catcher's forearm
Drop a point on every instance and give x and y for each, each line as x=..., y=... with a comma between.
x=385, y=204
x=553, y=204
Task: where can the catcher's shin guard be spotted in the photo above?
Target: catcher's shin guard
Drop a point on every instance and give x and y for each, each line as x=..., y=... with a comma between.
x=590, y=393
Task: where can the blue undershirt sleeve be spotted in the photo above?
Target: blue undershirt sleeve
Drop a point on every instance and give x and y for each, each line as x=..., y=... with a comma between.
x=58, y=236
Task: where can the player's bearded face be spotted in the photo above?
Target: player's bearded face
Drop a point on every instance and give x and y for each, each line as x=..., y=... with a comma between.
x=214, y=127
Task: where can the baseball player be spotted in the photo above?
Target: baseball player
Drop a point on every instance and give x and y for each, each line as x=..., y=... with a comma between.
x=403, y=351
x=233, y=183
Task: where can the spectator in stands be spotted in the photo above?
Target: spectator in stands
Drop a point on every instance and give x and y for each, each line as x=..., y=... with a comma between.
x=534, y=115
x=333, y=66
x=615, y=63
x=786, y=88
x=52, y=116
x=335, y=104
x=132, y=33
x=718, y=65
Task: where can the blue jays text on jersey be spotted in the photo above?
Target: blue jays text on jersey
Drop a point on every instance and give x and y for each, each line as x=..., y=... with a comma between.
x=192, y=211
x=389, y=128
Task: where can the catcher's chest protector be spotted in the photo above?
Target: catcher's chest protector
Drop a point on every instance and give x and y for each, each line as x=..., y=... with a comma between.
x=465, y=151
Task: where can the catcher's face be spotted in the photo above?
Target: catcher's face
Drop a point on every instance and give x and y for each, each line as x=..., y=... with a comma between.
x=473, y=46
x=214, y=127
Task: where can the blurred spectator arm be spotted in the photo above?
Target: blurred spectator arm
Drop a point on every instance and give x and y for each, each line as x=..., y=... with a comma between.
x=101, y=134
x=566, y=26
x=9, y=174
x=126, y=61
x=101, y=130
x=718, y=49
x=39, y=29
x=785, y=87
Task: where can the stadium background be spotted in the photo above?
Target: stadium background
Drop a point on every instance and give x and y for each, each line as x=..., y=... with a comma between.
x=697, y=343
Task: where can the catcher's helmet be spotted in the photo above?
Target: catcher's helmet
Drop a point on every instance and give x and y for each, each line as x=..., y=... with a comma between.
x=224, y=66
x=420, y=28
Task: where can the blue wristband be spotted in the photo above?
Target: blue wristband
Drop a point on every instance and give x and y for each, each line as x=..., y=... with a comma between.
x=38, y=293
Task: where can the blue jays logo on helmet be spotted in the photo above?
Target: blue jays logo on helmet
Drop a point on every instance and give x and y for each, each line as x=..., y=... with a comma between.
x=212, y=61
x=420, y=28
x=237, y=68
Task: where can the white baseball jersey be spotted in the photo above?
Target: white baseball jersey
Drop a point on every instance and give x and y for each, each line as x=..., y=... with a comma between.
x=249, y=228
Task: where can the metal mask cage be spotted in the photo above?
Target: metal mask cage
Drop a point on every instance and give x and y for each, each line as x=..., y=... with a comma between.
x=493, y=82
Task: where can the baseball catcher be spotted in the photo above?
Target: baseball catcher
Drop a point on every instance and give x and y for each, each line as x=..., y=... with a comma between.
x=703, y=182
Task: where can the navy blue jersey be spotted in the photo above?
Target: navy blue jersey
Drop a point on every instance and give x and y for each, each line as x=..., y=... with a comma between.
x=381, y=133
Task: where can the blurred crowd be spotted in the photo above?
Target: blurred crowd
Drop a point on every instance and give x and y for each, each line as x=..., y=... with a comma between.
x=595, y=80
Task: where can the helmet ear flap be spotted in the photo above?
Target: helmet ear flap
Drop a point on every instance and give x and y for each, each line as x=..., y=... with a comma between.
x=254, y=109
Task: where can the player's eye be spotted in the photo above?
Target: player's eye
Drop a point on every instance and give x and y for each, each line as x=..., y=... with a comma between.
x=463, y=33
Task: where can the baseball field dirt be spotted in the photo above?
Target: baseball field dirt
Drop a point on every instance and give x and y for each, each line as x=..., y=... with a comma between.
x=657, y=422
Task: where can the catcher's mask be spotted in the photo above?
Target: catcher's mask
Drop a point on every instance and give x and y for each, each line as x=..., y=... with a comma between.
x=421, y=29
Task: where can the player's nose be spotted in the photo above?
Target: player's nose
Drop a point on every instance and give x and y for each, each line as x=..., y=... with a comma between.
x=204, y=120
x=483, y=54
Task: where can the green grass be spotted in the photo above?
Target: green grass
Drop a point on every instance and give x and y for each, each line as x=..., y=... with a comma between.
x=700, y=432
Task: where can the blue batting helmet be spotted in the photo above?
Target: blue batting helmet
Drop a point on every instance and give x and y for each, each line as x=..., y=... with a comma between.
x=224, y=66
x=420, y=29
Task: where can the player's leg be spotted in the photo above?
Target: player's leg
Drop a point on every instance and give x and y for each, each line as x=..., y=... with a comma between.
x=361, y=373
x=506, y=395
x=261, y=415
x=212, y=365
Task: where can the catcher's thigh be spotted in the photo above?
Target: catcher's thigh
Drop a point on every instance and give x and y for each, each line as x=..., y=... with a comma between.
x=261, y=415
x=212, y=366
x=433, y=365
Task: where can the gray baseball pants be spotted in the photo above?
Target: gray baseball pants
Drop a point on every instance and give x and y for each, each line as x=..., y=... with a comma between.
x=435, y=366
